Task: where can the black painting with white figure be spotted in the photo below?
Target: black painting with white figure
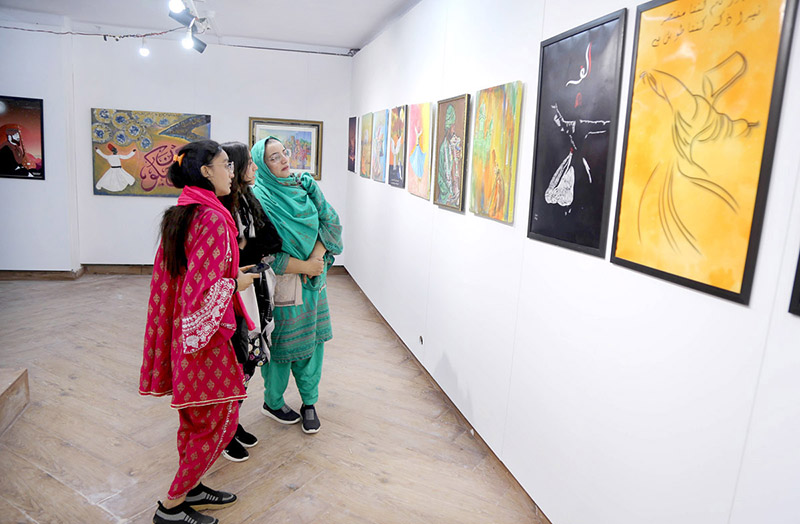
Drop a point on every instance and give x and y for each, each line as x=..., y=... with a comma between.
x=576, y=127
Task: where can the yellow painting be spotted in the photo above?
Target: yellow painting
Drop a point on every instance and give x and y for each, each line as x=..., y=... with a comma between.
x=699, y=115
x=495, y=142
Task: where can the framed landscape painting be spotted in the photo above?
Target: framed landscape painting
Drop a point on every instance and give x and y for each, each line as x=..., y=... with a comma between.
x=450, y=151
x=495, y=146
x=132, y=150
x=418, y=154
x=303, y=138
x=21, y=138
x=580, y=76
x=700, y=140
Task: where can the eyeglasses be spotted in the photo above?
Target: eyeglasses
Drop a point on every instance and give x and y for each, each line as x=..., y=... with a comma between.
x=227, y=165
x=274, y=157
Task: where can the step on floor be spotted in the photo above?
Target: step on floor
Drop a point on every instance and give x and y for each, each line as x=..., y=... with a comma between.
x=14, y=395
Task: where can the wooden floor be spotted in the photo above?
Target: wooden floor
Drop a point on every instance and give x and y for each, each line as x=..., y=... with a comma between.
x=89, y=449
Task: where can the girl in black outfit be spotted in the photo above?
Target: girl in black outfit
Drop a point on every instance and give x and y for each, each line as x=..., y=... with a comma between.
x=258, y=238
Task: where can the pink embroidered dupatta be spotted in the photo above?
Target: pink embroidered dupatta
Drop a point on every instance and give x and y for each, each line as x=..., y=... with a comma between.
x=191, y=318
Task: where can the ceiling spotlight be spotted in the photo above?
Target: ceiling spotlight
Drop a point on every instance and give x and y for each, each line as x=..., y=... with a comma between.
x=144, y=50
x=176, y=6
x=188, y=40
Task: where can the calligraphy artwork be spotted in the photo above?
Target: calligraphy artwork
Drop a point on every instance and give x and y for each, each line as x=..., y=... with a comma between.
x=495, y=142
x=580, y=77
x=302, y=138
x=21, y=138
x=132, y=150
x=366, y=146
x=700, y=140
x=397, y=147
x=351, y=144
x=451, y=145
x=418, y=155
x=380, y=123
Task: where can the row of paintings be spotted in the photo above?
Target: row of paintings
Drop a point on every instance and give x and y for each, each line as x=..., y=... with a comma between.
x=705, y=95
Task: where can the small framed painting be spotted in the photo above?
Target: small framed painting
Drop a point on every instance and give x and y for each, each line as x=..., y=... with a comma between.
x=450, y=151
x=302, y=137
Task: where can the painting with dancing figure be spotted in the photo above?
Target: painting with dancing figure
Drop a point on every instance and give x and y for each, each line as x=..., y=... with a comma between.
x=495, y=142
x=580, y=77
x=397, y=147
x=21, y=138
x=365, y=169
x=700, y=140
x=418, y=154
x=380, y=127
x=451, y=151
x=132, y=150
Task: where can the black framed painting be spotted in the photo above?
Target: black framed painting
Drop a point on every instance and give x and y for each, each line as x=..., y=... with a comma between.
x=351, y=143
x=302, y=138
x=794, y=302
x=580, y=77
x=700, y=138
x=21, y=138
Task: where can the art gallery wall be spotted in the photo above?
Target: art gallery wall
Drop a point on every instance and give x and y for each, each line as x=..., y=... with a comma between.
x=39, y=218
x=231, y=84
x=612, y=396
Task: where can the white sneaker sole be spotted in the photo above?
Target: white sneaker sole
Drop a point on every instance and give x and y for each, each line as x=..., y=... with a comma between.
x=232, y=459
x=310, y=431
x=276, y=419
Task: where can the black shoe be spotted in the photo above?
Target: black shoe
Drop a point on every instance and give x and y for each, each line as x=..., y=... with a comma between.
x=235, y=452
x=310, y=419
x=183, y=513
x=246, y=439
x=203, y=497
x=284, y=415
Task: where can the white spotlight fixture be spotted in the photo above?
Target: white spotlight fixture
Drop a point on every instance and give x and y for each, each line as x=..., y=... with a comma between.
x=176, y=6
x=188, y=41
x=144, y=50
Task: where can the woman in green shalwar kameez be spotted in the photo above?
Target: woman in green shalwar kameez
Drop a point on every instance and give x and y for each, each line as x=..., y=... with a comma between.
x=311, y=233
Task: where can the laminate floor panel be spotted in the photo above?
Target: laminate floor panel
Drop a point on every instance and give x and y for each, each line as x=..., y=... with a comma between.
x=89, y=448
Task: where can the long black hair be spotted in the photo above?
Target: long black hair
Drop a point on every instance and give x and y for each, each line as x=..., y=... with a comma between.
x=240, y=156
x=185, y=171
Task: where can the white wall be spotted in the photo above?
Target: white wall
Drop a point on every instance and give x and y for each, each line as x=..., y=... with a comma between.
x=38, y=218
x=612, y=396
x=230, y=84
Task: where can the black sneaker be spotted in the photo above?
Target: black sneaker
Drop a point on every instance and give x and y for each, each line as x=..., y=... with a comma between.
x=235, y=452
x=203, y=497
x=310, y=419
x=181, y=514
x=246, y=439
x=284, y=415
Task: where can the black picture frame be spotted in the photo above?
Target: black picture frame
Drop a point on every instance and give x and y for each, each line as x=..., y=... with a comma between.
x=352, y=131
x=794, y=302
x=774, y=112
x=576, y=215
x=26, y=117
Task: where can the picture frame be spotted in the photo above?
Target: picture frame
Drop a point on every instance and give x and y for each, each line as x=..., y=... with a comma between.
x=302, y=137
x=794, y=301
x=380, y=140
x=450, y=152
x=352, y=127
x=580, y=80
x=700, y=139
x=22, y=138
x=365, y=152
x=397, y=147
x=419, y=138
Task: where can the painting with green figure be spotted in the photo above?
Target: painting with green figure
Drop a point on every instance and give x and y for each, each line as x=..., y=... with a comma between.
x=495, y=145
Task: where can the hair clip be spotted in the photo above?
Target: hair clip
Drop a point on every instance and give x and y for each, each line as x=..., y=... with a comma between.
x=178, y=159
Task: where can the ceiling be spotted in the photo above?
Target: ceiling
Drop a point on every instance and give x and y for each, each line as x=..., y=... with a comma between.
x=339, y=24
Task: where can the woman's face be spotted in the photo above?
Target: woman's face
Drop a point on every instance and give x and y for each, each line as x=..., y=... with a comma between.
x=250, y=173
x=277, y=159
x=220, y=173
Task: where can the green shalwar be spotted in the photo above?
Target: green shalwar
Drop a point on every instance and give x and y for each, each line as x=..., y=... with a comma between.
x=300, y=213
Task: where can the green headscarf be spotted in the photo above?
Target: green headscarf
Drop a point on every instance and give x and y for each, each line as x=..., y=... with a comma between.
x=287, y=203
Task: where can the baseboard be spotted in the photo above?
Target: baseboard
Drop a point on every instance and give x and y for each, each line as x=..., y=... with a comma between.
x=42, y=275
x=119, y=269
